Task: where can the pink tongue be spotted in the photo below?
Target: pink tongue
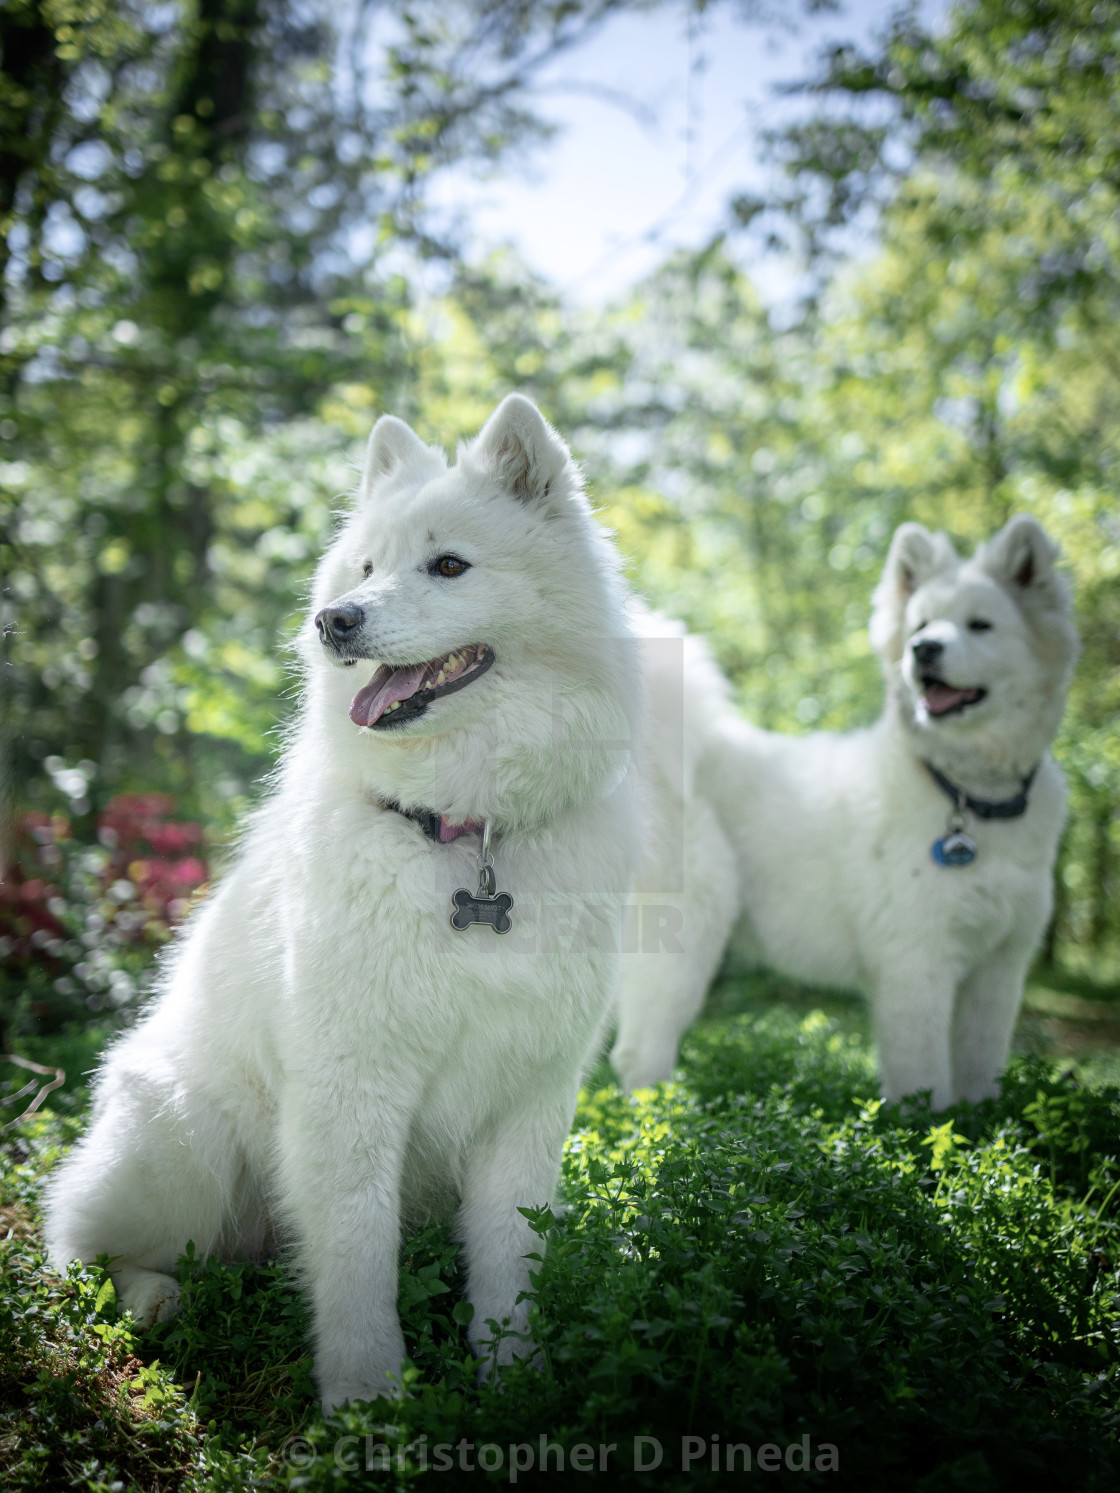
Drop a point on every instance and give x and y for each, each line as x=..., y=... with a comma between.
x=387, y=685
x=942, y=697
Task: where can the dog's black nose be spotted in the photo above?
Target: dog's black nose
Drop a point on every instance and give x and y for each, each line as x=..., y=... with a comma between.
x=927, y=652
x=335, y=624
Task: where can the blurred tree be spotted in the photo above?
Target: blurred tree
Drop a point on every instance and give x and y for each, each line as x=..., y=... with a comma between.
x=204, y=208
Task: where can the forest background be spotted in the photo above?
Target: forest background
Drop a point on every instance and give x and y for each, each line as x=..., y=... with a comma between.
x=219, y=262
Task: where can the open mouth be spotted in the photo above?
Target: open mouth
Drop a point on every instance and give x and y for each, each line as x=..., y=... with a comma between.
x=941, y=699
x=400, y=693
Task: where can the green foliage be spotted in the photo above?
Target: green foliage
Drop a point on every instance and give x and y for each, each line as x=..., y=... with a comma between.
x=79, y=1409
x=759, y=1252
x=205, y=209
x=241, y=1339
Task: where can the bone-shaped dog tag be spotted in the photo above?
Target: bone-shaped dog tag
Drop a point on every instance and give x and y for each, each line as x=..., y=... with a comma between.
x=486, y=906
x=479, y=908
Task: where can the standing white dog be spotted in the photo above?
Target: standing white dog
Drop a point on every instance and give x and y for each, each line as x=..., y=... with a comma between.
x=913, y=859
x=360, y=1026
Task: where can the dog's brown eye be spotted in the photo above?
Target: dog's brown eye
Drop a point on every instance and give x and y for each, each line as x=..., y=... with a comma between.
x=979, y=625
x=367, y=568
x=448, y=565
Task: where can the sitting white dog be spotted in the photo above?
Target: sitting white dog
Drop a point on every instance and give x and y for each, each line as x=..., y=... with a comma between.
x=913, y=859
x=374, y=1016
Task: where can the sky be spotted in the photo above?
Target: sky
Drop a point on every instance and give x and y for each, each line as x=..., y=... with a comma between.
x=600, y=205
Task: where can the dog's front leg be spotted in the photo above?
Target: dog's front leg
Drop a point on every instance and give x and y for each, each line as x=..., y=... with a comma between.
x=515, y=1165
x=340, y=1173
x=912, y=1016
x=987, y=1006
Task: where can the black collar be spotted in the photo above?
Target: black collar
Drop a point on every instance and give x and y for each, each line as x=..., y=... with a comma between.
x=428, y=821
x=432, y=824
x=983, y=808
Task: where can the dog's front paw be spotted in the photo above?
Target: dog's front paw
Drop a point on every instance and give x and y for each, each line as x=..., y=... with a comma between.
x=639, y=1068
x=148, y=1295
x=334, y=1395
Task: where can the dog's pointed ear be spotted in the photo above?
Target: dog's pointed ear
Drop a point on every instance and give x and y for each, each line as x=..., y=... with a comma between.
x=392, y=446
x=1022, y=556
x=519, y=448
x=914, y=556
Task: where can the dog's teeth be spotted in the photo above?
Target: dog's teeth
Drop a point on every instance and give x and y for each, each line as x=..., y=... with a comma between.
x=440, y=677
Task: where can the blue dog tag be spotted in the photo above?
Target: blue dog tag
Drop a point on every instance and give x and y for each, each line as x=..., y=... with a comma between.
x=955, y=849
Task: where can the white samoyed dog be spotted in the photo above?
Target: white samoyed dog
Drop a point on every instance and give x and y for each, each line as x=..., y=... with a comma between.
x=913, y=859
x=329, y=1058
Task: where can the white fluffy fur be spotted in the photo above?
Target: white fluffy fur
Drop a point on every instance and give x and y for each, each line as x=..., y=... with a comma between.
x=830, y=835
x=326, y=1057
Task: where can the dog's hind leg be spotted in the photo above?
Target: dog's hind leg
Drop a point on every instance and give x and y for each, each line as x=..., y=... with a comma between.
x=148, y=1295
x=149, y=1178
x=680, y=941
x=660, y=995
x=987, y=1005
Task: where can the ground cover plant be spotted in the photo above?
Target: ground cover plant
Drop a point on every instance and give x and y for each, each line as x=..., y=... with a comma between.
x=759, y=1256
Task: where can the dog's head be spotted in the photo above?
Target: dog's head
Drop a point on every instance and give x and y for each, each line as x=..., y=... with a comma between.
x=469, y=601
x=978, y=652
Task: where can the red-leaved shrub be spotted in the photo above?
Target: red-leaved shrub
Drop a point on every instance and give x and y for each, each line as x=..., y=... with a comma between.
x=79, y=922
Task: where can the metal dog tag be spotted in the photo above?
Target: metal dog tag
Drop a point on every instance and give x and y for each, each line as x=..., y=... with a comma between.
x=481, y=909
x=954, y=849
x=486, y=906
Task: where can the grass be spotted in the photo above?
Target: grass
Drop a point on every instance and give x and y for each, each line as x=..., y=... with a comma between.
x=760, y=1256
